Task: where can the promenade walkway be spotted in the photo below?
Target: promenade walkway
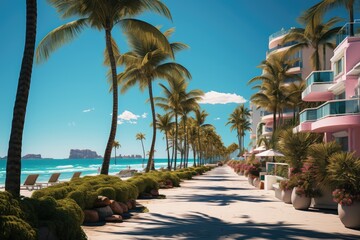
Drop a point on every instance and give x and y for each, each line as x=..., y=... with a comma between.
x=222, y=205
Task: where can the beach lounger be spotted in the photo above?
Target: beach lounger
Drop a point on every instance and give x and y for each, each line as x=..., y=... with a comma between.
x=54, y=179
x=75, y=175
x=30, y=182
x=127, y=173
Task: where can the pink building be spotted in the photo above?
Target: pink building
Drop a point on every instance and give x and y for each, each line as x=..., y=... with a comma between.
x=339, y=117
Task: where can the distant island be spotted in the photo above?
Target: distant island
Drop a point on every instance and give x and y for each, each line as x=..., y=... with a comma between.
x=84, y=153
x=32, y=156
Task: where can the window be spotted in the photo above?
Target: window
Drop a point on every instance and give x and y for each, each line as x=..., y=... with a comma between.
x=343, y=141
x=338, y=66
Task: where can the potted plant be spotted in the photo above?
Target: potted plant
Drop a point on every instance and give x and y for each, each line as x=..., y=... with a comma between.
x=344, y=175
x=304, y=189
x=319, y=155
x=286, y=190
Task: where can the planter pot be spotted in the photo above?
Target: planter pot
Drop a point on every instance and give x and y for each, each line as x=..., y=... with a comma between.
x=256, y=182
x=286, y=196
x=325, y=201
x=300, y=202
x=251, y=180
x=350, y=215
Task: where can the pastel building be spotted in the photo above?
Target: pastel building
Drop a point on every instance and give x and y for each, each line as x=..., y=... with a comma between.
x=339, y=117
x=263, y=120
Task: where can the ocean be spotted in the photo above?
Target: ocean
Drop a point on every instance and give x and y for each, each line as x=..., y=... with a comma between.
x=45, y=167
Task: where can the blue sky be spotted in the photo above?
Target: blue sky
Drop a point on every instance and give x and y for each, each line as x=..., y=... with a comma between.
x=69, y=104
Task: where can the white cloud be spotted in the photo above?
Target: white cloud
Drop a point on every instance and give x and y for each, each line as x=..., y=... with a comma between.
x=128, y=116
x=144, y=115
x=119, y=122
x=88, y=110
x=213, y=97
x=216, y=119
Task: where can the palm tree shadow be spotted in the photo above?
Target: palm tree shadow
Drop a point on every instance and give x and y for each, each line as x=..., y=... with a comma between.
x=196, y=225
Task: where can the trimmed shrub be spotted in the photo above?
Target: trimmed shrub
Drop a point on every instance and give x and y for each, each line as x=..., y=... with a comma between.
x=107, y=192
x=78, y=197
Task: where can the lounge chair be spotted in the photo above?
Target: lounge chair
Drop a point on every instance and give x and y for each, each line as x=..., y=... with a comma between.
x=76, y=175
x=30, y=182
x=54, y=179
x=127, y=173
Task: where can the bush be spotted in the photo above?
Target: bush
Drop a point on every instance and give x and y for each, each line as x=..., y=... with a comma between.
x=78, y=197
x=107, y=192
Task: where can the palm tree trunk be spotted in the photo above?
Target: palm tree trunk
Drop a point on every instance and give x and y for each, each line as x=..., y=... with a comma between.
x=107, y=154
x=351, y=16
x=199, y=143
x=194, y=154
x=142, y=144
x=176, y=136
x=274, y=120
x=167, y=149
x=239, y=140
x=13, y=165
x=317, y=60
x=324, y=57
x=151, y=163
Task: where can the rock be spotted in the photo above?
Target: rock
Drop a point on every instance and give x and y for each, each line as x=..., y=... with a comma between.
x=115, y=207
x=86, y=153
x=44, y=233
x=169, y=183
x=91, y=216
x=102, y=201
x=123, y=206
x=114, y=218
x=104, y=212
x=154, y=192
x=146, y=196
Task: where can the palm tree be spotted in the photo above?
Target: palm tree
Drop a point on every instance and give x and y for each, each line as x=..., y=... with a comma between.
x=272, y=90
x=164, y=124
x=146, y=63
x=103, y=15
x=175, y=98
x=314, y=35
x=319, y=10
x=239, y=121
x=141, y=136
x=200, y=117
x=13, y=164
x=116, y=145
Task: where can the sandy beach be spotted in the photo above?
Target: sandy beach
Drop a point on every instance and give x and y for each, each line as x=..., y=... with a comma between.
x=222, y=205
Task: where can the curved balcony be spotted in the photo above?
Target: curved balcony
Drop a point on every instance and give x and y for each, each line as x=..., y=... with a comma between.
x=331, y=116
x=317, y=85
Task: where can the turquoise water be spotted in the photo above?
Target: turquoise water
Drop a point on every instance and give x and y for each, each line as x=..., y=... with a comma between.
x=45, y=167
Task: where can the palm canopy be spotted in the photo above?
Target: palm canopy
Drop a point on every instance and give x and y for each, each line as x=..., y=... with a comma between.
x=140, y=136
x=101, y=15
x=314, y=35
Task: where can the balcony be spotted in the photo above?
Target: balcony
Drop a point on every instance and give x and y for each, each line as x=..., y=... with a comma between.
x=317, y=84
x=288, y=44
x=345, y=31
x=331, y=116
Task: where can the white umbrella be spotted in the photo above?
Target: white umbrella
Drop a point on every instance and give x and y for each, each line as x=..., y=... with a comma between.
x=270, y=153
x=260, y=149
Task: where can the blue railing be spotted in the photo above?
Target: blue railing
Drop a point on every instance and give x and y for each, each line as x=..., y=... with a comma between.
x=320, y=77
x=278, y=34
x=346, y=30
x=331, y=108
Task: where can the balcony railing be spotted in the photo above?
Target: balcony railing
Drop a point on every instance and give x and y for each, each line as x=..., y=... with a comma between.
x=278, y=34
x=320, y=77
x=331, y=108
x=281, y=46
x=345, y=31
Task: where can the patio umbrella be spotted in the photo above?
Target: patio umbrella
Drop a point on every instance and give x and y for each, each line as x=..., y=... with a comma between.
x=270, y=153
x=260, y=149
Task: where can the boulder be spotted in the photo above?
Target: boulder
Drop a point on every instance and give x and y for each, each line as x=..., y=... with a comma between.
x=115, y=207
x=104, y=212
x=154, y=192
x=91, y=216
x=114, y=218
x=101, y=201
x=123, y=206
x=133, y=203
x=169, y=183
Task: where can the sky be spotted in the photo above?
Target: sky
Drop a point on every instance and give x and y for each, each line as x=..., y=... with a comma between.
x=70, y=104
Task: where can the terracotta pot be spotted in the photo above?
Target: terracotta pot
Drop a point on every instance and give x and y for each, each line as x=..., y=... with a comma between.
x=286, y=196
x=350, y=215
x=300, y=202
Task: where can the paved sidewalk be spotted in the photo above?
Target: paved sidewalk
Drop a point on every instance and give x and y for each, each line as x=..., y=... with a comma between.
x=222, y=205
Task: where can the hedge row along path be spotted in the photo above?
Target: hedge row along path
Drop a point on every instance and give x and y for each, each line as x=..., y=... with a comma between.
x=222, y=205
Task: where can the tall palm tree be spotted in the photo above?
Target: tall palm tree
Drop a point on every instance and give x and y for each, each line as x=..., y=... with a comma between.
x=141, y=136
x=239, y=121
x=13, y=164
x=103, y=15
x=319, y=9
x=200, y=117
x=176, y=96
x=116, y=145
x=164, y=123
x=272, y=90
x=314, y=35
x=146, y=63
